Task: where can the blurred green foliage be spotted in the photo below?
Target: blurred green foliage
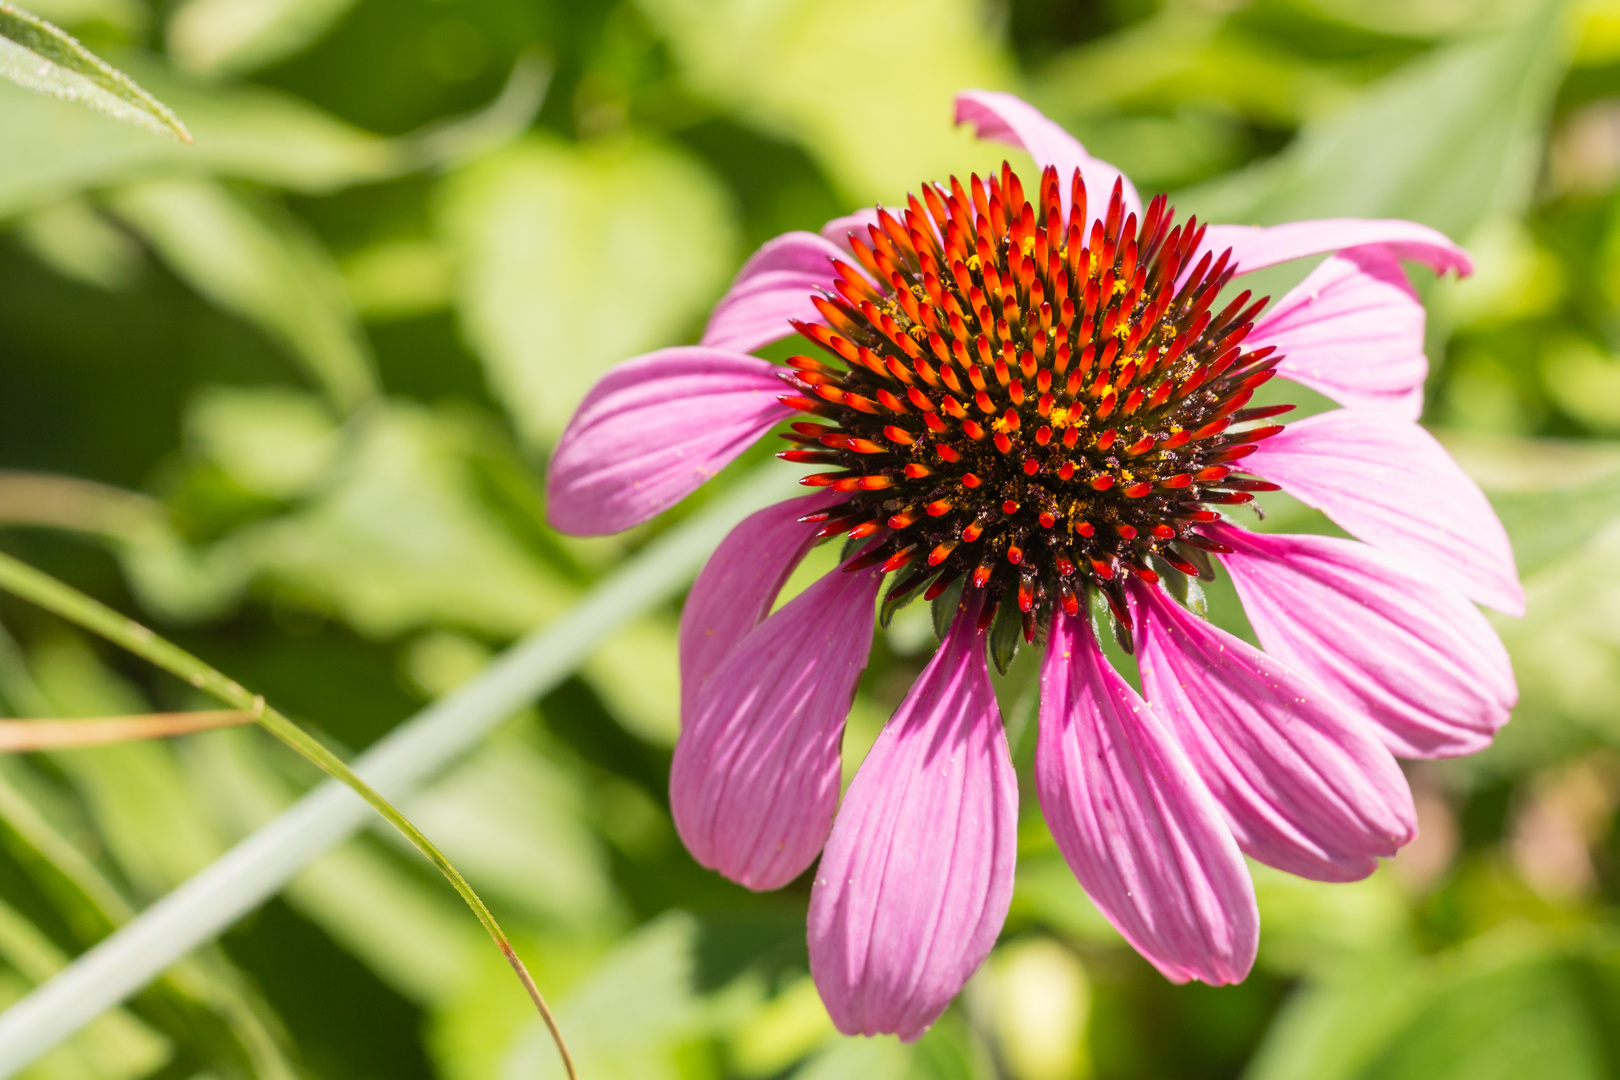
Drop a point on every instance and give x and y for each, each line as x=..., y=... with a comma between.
x=287, y=394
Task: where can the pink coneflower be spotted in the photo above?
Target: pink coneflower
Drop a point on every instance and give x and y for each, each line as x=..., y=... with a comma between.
x=1032, y=396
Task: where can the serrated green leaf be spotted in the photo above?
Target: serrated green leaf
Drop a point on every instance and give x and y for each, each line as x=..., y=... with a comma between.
x=48, y=60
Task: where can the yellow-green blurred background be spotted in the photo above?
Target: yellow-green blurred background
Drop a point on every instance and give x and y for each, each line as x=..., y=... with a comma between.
x=287, y=395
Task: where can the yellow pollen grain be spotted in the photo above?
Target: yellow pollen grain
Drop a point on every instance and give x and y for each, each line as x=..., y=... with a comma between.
x=1060, y=417
x=972, y=262
x=999, y=424
x=1028, y=245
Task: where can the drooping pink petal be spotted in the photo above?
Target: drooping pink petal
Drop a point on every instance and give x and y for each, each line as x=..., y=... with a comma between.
x=918, y=872
x=1417, y=659
x=1305, y=784
x=756, y=772
x=1137, y=826
x=1009, y=119
x=1353, y=330
x=773, y=286
x=652, y=431
x=739, y=584
x=1387, y=481
x=1255, y=247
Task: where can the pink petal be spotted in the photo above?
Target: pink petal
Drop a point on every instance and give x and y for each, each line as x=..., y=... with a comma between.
x=1137, y=826
x=1419, y=660
x=652, y=431
x=739, y=584
x=1305, y=785
x=756, y=772
x=1388, y=482
x=1353, y=330
x=838, y=229
x=1010, y=119
x=1255, y=247
x=773, y=286
x=918, y=873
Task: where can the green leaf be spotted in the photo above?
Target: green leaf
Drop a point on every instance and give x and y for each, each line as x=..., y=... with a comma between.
x=633, y=1017
x=403, y=538
x=1447, y=141
x=1514, y=1003
x=1006, y=634
x=882, y=1058
x=866, y=88
x=78, y=242
x=270, y=272
x=117, y=1046
x=212, y=36
x=365, y=899
x=42, y=58
x=55, y=149
x=648, y=704
x=145, y=814
x=573, y=258
x=945, y=605
x=1505, y=1016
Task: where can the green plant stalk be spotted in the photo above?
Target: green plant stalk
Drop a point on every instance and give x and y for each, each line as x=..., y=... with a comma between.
x=39, y=588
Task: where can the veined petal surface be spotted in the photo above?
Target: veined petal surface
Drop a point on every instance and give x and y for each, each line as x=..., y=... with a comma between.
x=774, y=286
x=1010, y=119
x=1417, y=659
x=1135, y=823
x=739, y=583
x=1352, y=330
x=1388, y=482
x=1305, y=785
x=653, y=431
x=754, y=783
x=918, y=872
x=1255, y=247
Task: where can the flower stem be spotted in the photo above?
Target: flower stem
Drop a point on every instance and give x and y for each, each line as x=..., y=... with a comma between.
x=39, y=588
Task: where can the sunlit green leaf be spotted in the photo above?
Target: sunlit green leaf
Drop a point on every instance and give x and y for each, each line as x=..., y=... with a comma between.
x=1506, y=1016
x=271, y=273
x=649, y=704
x=209, y=36
x=40, y=57
x=76, y=241
x=1446, y=141
x=867, y=88
x=144, y=812
x=635, y=1016
x=574, y=258
x=55, y=149
x=115, y=1047
x=367, y=901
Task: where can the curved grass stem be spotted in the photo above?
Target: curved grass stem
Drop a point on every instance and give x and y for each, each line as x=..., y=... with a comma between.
x=39, y=588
